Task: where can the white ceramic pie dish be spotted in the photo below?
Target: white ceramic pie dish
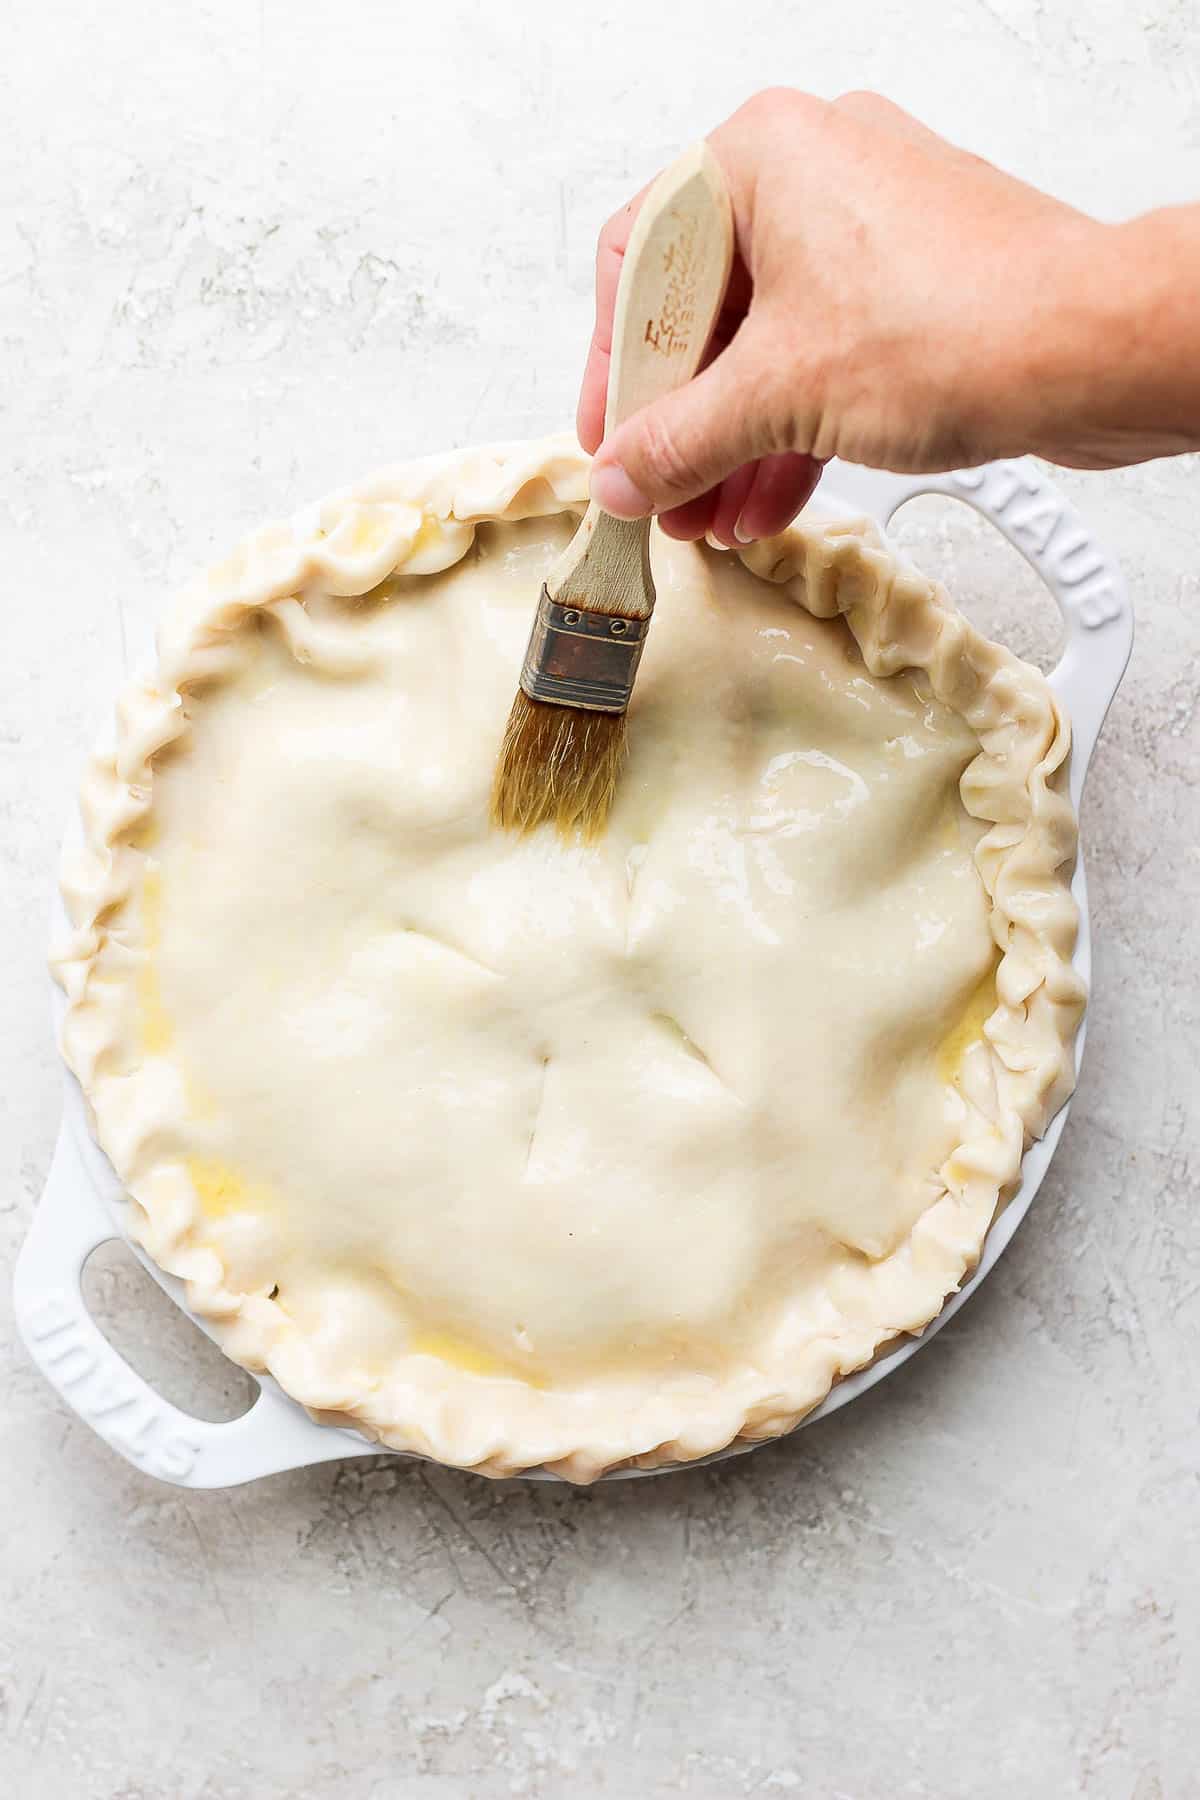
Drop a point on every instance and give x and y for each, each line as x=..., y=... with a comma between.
x=83, y=1204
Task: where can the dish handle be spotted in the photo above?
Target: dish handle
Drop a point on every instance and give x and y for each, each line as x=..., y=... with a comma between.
x=1026, y=507
x=97, y=1383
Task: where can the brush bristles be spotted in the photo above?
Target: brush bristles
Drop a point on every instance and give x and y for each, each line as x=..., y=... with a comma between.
x=558, y=765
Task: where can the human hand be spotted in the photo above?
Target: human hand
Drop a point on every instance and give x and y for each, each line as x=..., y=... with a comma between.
x=894, y=301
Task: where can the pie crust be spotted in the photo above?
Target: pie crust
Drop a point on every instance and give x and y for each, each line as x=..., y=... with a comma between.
x=513, y=1153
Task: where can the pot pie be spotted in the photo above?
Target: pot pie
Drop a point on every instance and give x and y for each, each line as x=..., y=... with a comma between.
x=513, y=1152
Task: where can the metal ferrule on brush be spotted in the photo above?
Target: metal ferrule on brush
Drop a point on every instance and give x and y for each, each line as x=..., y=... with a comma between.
x=585, y=659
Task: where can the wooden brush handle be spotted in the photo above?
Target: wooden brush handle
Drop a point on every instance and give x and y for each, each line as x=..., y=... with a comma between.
x=673, y=280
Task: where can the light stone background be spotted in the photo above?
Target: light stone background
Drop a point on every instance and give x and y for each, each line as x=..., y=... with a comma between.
x=248, y=251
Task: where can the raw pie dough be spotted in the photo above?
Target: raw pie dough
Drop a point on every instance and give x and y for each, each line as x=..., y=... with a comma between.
x=512, y=1153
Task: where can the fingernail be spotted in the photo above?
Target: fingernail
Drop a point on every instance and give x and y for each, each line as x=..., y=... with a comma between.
x=612, y=490
x=742, y=536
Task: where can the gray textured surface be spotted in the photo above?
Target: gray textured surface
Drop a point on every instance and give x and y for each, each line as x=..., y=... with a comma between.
x=250, y=255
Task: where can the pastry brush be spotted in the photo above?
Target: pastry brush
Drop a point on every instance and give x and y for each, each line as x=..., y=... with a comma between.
x=564, y=743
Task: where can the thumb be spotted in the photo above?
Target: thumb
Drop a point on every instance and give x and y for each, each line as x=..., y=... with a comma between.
x=686, y=443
